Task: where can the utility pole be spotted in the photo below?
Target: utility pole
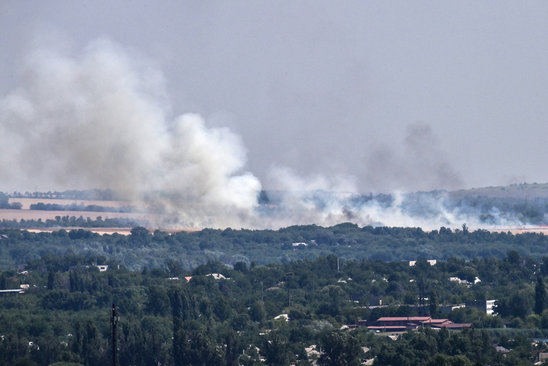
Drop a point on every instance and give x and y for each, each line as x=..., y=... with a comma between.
x=113, y=327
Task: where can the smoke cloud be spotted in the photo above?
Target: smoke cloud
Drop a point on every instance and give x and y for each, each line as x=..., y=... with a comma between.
x=100, y=118
x=421, y=163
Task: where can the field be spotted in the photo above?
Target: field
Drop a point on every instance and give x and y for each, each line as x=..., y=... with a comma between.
x=26, y=202
x=7, y=214
x=100, y=231
x=523, y=230
x=27, y=214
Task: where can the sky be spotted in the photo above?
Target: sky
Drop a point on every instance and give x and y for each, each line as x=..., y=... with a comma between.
x=387, y=95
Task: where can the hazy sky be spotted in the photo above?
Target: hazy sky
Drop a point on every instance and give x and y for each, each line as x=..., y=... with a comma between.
x=396, y=94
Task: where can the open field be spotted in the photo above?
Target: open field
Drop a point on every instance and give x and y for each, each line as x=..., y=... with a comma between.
x=101, y=231
x=106, y=230
x=26, y=202
x=8, y=214
x=27, y=214
x=523, y=230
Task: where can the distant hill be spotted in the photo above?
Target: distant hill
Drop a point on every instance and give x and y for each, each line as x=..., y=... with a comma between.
x=522, y=191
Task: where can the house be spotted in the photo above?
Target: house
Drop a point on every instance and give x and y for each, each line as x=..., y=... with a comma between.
x=284, y=317
x=102, y=267
x=403, y=323
x=431, y=262
x=490, y=307
x=312, y=352
x=542, y=356
x=464, y=282
x=437, y=323
x=342, y=280
x=217, y=276
x=501, y=349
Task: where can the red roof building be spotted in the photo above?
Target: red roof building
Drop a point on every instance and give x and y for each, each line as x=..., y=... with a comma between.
x=404, y=323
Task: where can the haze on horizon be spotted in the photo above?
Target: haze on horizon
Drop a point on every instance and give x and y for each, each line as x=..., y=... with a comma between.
x=233, y=97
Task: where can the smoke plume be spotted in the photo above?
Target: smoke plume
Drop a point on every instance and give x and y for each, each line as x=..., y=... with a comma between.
x=100, y=118
x=421, y=163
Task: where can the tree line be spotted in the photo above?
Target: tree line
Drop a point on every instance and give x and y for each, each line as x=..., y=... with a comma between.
x=346, y=241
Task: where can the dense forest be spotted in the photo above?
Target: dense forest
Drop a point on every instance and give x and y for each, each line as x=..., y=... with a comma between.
x=276, y=314
x=143, y=249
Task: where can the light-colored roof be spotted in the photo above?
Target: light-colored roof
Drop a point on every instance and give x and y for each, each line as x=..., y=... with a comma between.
x=12, y=291
x=217, y=276
x=437, y=321
x=282, y=317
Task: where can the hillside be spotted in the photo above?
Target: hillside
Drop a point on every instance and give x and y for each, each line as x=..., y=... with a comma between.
x=522, y=191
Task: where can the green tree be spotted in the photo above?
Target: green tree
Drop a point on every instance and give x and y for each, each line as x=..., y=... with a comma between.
x=51, y=280
x=196, y=348
x=433, y=302
x=157, y=301
x=93, y=346
x=180, y=311
x=513, y=257
x=275, y=349
x=257, y=311
x=445, y=360
x=540, y=295
x=340, y=349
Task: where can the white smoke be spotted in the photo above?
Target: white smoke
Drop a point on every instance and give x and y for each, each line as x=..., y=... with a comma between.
x=99, y=120
x=309, y=200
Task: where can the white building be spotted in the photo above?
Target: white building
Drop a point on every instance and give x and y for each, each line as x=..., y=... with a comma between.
x=431, y=262
x=490, y=307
